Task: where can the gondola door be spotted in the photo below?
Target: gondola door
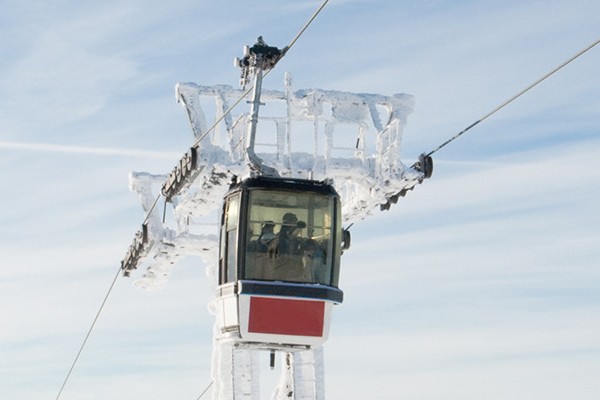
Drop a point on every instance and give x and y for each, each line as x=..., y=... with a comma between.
x=227, y=314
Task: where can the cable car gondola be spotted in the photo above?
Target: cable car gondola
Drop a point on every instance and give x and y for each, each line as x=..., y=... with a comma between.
x=279, y=262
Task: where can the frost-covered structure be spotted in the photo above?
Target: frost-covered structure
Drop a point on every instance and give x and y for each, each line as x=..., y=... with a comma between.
x=352, y=140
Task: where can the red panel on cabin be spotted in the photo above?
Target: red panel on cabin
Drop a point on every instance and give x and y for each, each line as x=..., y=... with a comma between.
x=286, y=317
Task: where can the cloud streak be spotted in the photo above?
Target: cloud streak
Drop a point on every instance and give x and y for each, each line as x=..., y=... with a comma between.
x=98, y=151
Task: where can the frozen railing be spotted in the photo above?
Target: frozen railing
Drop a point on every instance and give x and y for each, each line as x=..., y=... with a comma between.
x=351, y=138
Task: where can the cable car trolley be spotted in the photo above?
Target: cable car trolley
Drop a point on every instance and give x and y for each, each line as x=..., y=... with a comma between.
x=279, y=262
x=281, y=235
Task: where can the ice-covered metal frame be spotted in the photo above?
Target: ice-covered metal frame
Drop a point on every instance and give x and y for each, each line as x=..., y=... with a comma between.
x=354, y=138
x=350, y=139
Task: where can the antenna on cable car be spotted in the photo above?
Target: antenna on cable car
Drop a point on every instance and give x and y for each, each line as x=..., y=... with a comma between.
x=258, y=60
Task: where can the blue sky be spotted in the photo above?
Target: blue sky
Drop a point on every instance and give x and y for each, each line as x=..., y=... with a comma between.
x=482, y=283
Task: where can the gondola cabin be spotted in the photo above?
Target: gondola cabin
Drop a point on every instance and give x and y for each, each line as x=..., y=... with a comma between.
x=279, y=263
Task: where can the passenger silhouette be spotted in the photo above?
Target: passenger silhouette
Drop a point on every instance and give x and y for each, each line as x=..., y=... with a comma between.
x=288, y=239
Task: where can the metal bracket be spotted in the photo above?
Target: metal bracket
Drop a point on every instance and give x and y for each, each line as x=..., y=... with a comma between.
x=136, y=250
x=425, y=165
x=259, y=56
x=180, y=174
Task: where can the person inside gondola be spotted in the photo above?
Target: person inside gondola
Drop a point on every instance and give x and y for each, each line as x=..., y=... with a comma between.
x=264, y=239
x=286, y=249
x=313, y=260
x=256, y=262
x=288, y=240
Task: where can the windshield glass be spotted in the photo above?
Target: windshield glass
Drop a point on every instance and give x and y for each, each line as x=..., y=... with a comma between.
x=290, y=237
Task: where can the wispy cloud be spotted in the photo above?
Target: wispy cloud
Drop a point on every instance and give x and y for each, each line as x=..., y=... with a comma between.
x=98, y=151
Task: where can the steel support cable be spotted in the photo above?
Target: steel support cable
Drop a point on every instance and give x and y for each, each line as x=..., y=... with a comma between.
x=246, y=93
x=510, y=100
x=205, y=390
x=306, y=25
x=88, y=335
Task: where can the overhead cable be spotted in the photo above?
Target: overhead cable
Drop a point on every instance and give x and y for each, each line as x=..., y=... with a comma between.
x=205, y=390
x=516, y=96
x=245, y=93
x=88, y=335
